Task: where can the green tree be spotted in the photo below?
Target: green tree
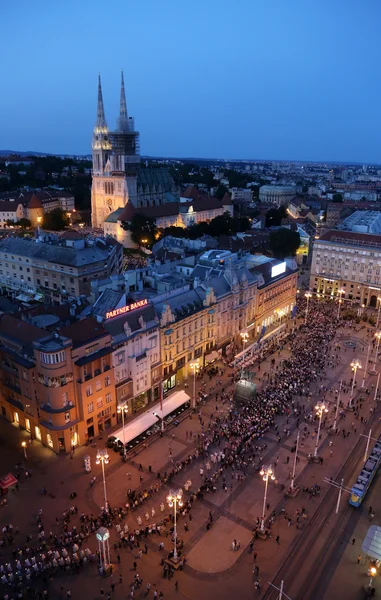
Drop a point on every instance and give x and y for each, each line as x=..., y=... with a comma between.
x=24, y=223
x=222, y=225
x=337, y=197
x=221, y=191
x=143, y=230
x=56, y=220
x=274, y=216
x=284, y=242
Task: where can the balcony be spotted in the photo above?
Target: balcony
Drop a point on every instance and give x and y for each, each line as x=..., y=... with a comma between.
x=51, y=410
x=7, y=367
x=13, y=387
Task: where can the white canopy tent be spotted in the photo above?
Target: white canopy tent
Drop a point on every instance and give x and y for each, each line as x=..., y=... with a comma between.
x=148, y=418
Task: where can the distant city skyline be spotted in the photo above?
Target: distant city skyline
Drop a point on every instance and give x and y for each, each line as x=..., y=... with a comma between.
x=275, y=81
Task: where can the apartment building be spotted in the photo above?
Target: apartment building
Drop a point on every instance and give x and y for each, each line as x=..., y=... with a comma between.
x=59, y=386
x=350, y=261
x=57, y=269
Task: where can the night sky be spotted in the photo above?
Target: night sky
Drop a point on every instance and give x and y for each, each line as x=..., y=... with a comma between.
x=271, y=79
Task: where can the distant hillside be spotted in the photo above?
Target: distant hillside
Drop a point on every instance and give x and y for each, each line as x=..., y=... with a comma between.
x=17, y=153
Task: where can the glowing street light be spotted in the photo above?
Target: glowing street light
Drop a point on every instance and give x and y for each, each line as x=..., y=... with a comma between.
x=308, y=295
x=373, y=573
x=23, y=444
x=245, y=339
x=320, y=410
x=355, y=364
x=378, y=336
x=266, y=474
x=195, y=368
x=340, y=292
x=103, y=458
x=123, y=409
x=175, y=499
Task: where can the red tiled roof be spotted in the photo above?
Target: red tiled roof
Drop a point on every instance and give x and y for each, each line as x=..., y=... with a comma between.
x=34, y=202
x=351, y=237
x=83, y=331
x=128, y=212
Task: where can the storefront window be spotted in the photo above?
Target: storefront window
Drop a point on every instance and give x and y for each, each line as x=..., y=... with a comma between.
x=169, y=383
x=49, y=440
x=17, y=418
x=38, y=433
x=27, y=424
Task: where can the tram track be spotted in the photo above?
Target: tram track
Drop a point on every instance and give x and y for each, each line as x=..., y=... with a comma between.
x=319, y=543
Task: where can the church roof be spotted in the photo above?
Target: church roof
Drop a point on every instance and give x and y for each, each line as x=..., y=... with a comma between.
x=155, y=177
x=226, y=200
x=127, y=212
x=114, y=216
x=34, y=202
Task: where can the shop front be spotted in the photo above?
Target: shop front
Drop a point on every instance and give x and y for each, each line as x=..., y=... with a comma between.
x=169, y=384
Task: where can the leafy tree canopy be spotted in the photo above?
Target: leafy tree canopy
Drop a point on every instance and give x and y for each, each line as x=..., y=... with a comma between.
x=274, y=216
x=56, y=220
x=143, y=230
x=284, y=242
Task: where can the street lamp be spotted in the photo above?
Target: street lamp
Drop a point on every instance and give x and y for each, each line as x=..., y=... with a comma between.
x=378, y=336
x=245, y=338
x=340, y=292
x=123, y=409
x=378, y=313
x=266, y=474
x=373, y=573
x=103, y=457
x=320, y=410
x=308, y=295
x=174, y=499
x=355, y=364
x=195, y=368
x=23, y=444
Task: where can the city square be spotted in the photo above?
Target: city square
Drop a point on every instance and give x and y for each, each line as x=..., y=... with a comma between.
x=217, y=533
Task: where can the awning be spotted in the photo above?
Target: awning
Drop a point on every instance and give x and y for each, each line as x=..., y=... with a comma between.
x=147, y=419
x=372, y=543
x=39, y=297
x=212, y=356
x=23, y=298
x=7, y=481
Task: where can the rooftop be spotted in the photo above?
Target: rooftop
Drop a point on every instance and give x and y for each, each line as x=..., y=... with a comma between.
x=83, y=332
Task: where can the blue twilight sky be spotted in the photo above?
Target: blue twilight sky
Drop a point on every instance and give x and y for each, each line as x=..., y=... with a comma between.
x=272, y=79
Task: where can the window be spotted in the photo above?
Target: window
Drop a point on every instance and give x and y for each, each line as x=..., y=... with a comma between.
x=90, y=408
x=107, y=381
x=89, y=391
x=99, y=402
x=52, y=359
x=67, y=417
x=98, y=385
x=120, y=358
x=65, y=399
x=108, y=398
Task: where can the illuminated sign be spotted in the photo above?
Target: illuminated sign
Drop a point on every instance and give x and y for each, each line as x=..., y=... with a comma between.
x=125, y=309
x=278, y=269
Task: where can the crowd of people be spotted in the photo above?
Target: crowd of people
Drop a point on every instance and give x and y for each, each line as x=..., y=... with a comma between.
x=231, y=444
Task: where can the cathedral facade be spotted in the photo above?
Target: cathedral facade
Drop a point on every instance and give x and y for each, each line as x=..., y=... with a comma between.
x=118, y=175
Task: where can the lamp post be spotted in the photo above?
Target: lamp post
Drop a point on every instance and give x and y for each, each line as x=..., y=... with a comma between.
x=337, y=408
x=378, y=313
x=340, y=292
x=366, y=367
x=195, y=368
x=174, y=499
x=308, y=295
x=373, y=573
x=245, y=338
x=103, y=457
x=123, y=409
x=320, y=410
x=266, y=473
x=23, y=444
x=355, y=364
x=292, y=486
x=378, y=336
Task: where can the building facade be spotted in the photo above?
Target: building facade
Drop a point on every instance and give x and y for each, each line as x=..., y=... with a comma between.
x=57, y=270
x=277, y=194
x=350, y=261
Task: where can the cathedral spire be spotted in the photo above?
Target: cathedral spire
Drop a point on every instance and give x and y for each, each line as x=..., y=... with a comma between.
x=101, y=119
x=123, y=116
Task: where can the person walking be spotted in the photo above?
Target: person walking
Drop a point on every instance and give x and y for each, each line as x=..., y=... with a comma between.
x=277, y=539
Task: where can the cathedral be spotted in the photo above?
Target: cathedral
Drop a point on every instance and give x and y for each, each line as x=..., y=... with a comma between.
x=118, y=175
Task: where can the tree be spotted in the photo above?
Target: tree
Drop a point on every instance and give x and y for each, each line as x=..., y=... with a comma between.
x=24, y=223
x=337, y=197
x=221, y=191
x=56, y=220
x=274, y=216
x=284, y=242
x=222, y=225
x=143, y=230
